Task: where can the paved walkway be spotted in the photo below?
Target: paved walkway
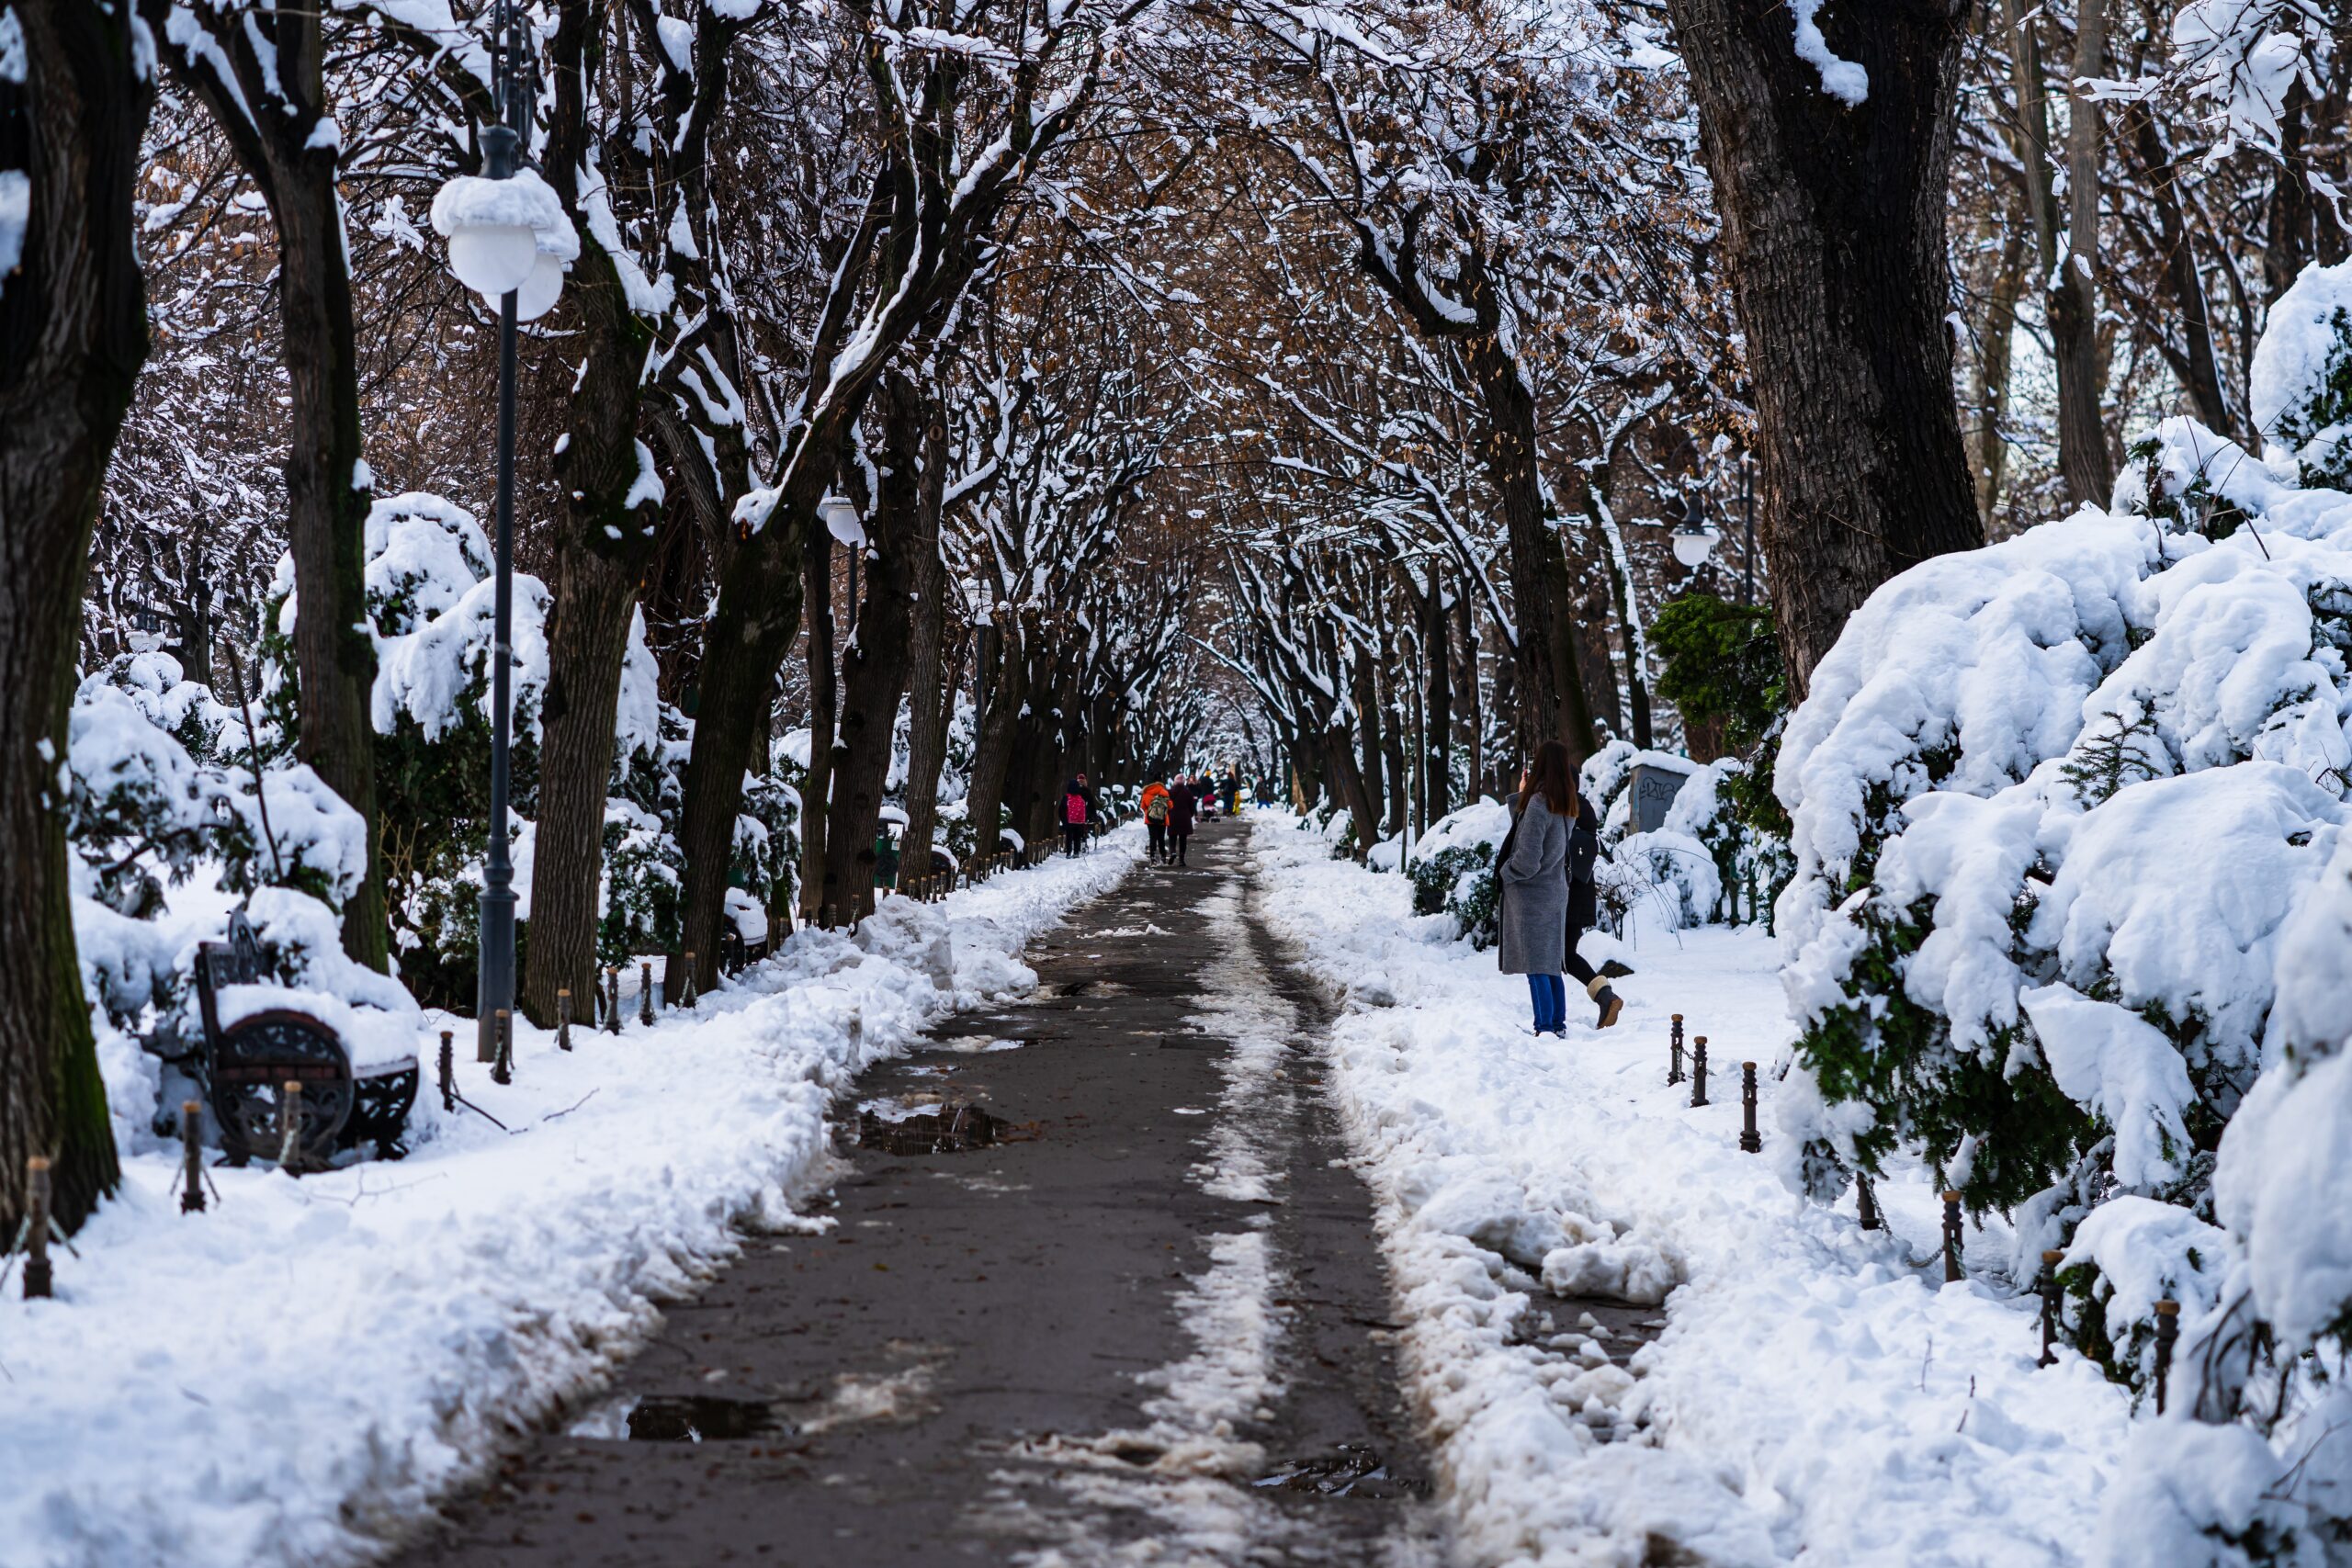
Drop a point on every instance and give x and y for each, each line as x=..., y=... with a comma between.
x=1109, y=1296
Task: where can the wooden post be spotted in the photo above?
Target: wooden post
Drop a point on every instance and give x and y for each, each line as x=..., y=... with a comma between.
x=562, y=1019
x=192, y=1151
x=1751, y=1140
x=1674, y=1054
x=1698, y=1071
x=645, y=995
x=2167, y=1334
x=1866, y=1201
x=2050, y=1308
x=612, y=999
x=289, y=1113
x=1954, y=1238
x=448, y=1072
x=38, y=1284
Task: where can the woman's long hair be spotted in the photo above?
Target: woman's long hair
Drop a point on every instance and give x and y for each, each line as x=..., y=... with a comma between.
x=1552, y=777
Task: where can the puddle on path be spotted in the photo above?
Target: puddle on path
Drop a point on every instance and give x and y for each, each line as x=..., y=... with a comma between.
x=946, y=1129
x=682, y=1418
x=1348, y=1471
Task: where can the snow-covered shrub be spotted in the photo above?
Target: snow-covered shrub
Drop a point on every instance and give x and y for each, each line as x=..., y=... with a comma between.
x=2072, y=919
x=1454, y=870
x=2301, y=381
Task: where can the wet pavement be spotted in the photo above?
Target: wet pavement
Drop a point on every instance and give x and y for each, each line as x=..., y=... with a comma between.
x=1095, y=1286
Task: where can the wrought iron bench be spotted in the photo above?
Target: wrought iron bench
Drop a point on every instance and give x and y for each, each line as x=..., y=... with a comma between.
x=245, y=1066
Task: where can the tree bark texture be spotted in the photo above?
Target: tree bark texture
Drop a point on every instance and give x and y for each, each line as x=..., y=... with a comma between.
x=1004, y=670
x=875, y=665
x=816, y=790
x=72, y=337
x=1833, y=220
x=933, y=694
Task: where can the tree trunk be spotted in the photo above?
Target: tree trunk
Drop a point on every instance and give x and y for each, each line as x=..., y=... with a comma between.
x=600, y=553
x=1437, y=731
x=874, y=669
x=2286, y=225
x=1834, y=238
x=1366, y=694
x=2073, y=305
x=1472, y=706
x=1993, y=373
x=933, y=696
x=816, y=791
x=2201, y=375
x=72, y=337
x=1003, y=672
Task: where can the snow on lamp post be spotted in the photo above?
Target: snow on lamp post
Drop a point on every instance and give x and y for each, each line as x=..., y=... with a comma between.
x=509, y=241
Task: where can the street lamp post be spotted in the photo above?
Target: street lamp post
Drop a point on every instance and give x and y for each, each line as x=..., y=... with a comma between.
x=510, y=241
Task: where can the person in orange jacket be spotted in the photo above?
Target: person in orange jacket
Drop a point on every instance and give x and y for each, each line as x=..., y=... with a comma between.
x=1156, y=804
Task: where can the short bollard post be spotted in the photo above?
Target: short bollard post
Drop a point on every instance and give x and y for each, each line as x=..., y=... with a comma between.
x=2167, y=1334
x=1953, y=1238
x=1751, y=1140
x=448, y=1072
x=562, y=1019
x=1674, y=1056
x=612, y=999
x=687, y=999
x=645, y=995
x=502, y=1067
x=1698, y=1071
x=2050, y=1308
x=289, y=1137
x=192, y=1151
x=38, y=1282
x=1866, y=1203
x=856, y=1033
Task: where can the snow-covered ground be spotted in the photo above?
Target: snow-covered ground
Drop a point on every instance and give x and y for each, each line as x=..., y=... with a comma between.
x=1819, y=1396
x=286, y=1378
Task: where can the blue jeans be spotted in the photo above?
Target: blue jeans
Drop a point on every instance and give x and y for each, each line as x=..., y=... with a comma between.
x=1550, y=995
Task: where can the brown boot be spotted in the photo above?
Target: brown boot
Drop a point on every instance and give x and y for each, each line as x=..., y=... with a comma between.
x=1610, y=1002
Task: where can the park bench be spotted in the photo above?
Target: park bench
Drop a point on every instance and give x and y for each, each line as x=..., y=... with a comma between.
x=245, y=1066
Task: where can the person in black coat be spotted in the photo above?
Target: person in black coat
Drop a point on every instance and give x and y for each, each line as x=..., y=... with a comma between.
x=1183, y=807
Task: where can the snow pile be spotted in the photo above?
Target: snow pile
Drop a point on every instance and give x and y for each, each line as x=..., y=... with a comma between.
x=1817, y=1396
x=2069, y=919
x=292, y=1376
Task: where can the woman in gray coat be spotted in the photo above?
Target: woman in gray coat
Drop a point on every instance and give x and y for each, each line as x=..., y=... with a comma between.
x=1535, y=877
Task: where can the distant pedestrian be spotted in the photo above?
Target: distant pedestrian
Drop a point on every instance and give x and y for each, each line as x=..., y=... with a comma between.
x=1155, y=803
x=1074, y=815
x=1531, y=884
x=1232, y=791
x=1182, y=803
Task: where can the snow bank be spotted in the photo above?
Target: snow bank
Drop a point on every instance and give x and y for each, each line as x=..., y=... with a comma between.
x=2072, y=912
x=1818, y=1394
x=291, y=1377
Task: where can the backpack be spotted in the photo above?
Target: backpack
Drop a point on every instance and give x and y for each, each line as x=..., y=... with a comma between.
x=1156, y=808
x=1074, y=810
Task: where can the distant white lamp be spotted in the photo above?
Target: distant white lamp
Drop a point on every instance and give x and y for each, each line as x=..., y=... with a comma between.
x=1693, y=543
x=838, y=513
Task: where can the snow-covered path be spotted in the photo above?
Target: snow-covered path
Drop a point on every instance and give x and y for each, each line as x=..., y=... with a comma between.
x=1820, y=1395
x=1144, y=1324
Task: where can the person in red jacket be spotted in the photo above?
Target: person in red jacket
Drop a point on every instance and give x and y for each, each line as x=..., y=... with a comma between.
x=1156, y=807
x=1076, y=804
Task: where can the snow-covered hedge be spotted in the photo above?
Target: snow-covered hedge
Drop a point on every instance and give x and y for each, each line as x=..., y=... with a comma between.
x=2070, y=919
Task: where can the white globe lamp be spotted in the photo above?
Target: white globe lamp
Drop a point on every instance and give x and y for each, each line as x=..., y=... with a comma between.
x=839, y=514
x=494, y=258
x=539, y=291
x=1693, y=544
